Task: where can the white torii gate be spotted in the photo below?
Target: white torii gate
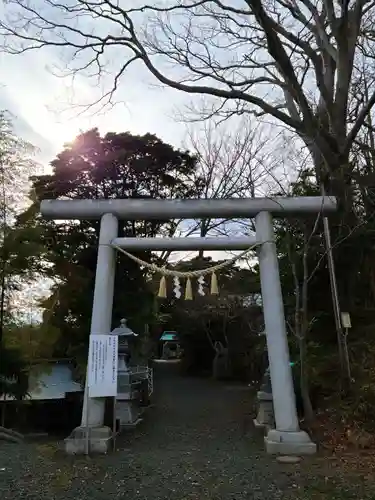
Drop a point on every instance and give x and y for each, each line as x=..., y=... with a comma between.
x=287, y=437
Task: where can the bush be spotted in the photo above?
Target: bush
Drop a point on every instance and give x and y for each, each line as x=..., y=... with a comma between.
x=13, y=373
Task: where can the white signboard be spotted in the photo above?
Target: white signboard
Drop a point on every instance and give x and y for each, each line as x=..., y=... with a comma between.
x=345, y=320
x=102, y=369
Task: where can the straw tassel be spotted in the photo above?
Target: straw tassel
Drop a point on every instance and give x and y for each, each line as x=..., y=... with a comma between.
x=163, y=288
x=188, y=290
x=214, y=285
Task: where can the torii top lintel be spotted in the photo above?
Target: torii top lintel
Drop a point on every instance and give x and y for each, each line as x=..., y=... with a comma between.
x=147, y=209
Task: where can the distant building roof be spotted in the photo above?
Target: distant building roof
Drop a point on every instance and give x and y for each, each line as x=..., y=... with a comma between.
x=53, y=383
x=168, y=336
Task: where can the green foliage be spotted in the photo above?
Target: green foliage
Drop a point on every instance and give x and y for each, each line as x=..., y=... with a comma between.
x=33, y=343
x=13, y=373
x=95, y=167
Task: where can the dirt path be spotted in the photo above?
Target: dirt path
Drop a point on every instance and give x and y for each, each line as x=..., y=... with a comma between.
x=196, y=443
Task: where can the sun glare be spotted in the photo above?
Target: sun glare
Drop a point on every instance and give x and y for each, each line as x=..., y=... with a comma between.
x=61, y=134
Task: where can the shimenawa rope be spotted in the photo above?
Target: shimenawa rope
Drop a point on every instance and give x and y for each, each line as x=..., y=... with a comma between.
x=188, y=275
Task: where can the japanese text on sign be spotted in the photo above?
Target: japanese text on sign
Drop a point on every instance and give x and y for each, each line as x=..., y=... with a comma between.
x=102, y=369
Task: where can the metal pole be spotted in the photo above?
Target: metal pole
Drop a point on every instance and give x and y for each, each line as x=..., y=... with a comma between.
x=277, y=344
x=343, y=354
x=114, y=431
x=334, y=292
x=87, y=431
x=346, y=351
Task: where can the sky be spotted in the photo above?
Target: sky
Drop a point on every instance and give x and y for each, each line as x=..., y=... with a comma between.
x=40, y=102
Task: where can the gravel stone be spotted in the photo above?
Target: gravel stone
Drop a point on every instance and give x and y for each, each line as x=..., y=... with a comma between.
x=197, y=443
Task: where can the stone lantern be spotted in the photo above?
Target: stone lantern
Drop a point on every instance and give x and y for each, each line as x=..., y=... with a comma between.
x=265, y=417
x=130, y=379
x=125, y=334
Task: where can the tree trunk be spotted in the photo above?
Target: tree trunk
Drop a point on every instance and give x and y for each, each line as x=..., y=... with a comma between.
x=304, y=382
x=203, y=233
x=3, y=412
x=2, y=303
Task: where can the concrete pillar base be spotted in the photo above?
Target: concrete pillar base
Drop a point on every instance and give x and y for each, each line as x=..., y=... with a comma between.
x=99, y=440
x=289, y=443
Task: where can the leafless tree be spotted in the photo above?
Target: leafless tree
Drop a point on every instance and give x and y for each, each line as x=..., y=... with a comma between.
x=364, y=147
x=230, y=163
x=301, y=323
x=294, y=60
x=233, y=162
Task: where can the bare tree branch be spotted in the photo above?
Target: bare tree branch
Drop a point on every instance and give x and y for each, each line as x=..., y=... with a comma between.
x=295, y=60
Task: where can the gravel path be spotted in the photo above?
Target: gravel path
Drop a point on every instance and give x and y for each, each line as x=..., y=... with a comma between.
x=196, y=443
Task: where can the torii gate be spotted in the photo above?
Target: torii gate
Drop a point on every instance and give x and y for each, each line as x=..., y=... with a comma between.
x=287, y=437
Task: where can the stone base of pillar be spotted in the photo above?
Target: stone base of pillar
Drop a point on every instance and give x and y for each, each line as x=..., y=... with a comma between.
x=129, y=413
x=99, y=440
x=289, y=443
x=265, y=417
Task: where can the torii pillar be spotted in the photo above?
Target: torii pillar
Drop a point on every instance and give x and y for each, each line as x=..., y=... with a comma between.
x=92, y=436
